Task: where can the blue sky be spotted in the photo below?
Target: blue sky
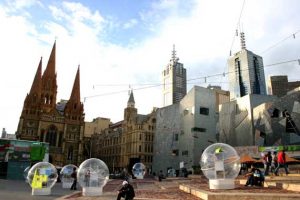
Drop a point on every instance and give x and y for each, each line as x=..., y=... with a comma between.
x=129, y=42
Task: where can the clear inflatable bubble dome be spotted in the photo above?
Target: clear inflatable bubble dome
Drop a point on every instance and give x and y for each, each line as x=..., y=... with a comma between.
x=220, y=161
x=42, y=175
x=66, y=173
x=139, y=170
x=92, y=172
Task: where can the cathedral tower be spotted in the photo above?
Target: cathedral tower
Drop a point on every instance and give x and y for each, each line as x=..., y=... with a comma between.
x=59, y=124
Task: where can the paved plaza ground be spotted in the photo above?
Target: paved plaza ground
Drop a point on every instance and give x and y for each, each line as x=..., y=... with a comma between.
x=169, y=189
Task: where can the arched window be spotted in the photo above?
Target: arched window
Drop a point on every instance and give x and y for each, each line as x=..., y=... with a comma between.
x=51, y=135
x=42, y=135
x=70, y=153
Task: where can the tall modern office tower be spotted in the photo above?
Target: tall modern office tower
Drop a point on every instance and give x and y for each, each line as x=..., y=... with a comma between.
x=246, y=73
x=174, y=81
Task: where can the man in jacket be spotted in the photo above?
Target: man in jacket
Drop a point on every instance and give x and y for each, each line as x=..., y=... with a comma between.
x=281, y=162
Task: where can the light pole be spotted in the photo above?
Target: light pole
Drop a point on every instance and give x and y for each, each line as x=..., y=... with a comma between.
x=91, y=147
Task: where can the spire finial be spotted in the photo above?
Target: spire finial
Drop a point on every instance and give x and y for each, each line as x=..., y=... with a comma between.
x=131, y=101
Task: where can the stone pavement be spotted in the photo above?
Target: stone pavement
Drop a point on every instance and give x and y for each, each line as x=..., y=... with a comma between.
x=192, y=188
x=20, y=190
x=146, y=189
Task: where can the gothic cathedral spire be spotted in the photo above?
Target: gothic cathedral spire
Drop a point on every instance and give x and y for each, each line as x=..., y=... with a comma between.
x=74, y=108
x=131, y=102
x=49, y=84
x=75, y=95
x=50, y=69
x=32, y=100
x=37, y=81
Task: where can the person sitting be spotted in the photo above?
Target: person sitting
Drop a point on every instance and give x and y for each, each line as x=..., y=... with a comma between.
x=126, y=191
x=255, y=177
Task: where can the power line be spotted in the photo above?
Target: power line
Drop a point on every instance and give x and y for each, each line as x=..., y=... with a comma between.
x=236, y=33
x=237, y=26
x=191, y=79
x=293, y=35
x=118, y=85
x=279, y=63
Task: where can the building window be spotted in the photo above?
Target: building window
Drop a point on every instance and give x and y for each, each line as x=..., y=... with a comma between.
x=204, y=111
x=60, y=139
x=176, y=137
x=42, y=135
x=70, y=153
x=140, y=148
x=197, y=129
x=186, y=111
x=51, y=136
x=175, y=152
x=185, y=153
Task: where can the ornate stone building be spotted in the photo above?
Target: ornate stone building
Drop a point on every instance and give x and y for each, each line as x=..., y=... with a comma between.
x=60, y=124
x=126, y=142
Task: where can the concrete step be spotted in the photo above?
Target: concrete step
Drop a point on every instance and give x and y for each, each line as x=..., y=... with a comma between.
x=234, y=195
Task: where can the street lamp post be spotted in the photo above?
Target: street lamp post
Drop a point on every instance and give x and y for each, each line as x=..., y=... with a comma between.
x=90, y=147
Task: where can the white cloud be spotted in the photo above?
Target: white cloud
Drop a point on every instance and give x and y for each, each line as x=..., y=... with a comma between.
x=21, y=4
x=131, y=23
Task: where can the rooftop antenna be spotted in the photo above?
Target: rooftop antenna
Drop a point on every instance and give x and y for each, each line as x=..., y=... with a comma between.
x=243, y=40
x=174, y=53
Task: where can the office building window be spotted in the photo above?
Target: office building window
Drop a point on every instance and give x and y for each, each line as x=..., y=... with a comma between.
x=176, y=137
x=175, y=152
x=197, y=129
x=185, y=153
x=204, y=111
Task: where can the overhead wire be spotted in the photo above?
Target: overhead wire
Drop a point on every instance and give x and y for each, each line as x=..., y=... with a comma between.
x=234, y=36
x=188, y=80
x=237, y=26
x=277, y=43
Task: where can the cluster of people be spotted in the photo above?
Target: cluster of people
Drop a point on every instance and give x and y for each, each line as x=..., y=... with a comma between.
x=272, y=163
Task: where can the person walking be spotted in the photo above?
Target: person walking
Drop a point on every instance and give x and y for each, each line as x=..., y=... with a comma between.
x=126, y=191
x=74, y=176
x=274, y=162
x=160, y=175
x=281, y=162
x=267, y=162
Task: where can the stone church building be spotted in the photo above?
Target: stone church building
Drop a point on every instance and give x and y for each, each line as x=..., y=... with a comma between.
x=60, y=124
